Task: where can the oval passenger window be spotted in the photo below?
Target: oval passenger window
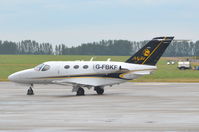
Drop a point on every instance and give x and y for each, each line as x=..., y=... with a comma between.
x=76, y=67
x=66, y=66
x=85, y=66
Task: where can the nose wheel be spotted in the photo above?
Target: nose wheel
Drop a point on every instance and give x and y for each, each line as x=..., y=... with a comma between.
x=30, y=90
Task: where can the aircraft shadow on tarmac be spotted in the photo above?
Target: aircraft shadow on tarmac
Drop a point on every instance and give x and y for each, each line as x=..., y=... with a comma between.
x=74, y=96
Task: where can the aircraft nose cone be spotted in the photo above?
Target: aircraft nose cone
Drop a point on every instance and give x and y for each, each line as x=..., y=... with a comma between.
x=20, y=76
x=12, y=77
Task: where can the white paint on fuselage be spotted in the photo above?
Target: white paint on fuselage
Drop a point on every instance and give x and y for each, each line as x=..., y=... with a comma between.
x=57, y=73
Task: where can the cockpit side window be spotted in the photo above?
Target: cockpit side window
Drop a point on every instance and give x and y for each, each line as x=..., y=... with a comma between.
x=45, y=68
x=39, y=67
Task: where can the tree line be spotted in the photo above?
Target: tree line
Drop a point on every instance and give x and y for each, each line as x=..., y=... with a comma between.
x=104, y=47
x=25, y=47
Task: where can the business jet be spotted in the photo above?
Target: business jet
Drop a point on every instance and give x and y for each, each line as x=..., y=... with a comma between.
x=94, y=74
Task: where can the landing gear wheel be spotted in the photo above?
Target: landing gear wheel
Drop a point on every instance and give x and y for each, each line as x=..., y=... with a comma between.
x=80, y=92
x=99, y=90
x=30, y=91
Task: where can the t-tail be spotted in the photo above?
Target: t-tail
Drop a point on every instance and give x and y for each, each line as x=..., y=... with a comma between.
x=151, y=52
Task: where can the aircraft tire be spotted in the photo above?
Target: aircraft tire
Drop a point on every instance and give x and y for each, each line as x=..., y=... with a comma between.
x=30, y=91
x=99, y=90
x=80, y=92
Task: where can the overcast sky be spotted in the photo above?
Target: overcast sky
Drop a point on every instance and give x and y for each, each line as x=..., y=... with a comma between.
x=77, y=21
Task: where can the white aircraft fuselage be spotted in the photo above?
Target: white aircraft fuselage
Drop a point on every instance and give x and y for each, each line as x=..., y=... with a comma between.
x=90, y=73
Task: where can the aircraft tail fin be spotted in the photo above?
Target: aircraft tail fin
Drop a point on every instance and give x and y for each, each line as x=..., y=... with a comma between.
x=151, y=52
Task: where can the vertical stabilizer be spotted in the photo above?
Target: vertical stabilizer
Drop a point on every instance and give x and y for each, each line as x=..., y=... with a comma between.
x=151, y=52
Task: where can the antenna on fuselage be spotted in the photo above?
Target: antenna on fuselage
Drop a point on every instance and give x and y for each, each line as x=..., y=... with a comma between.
x=92, y=59
x=109, y=59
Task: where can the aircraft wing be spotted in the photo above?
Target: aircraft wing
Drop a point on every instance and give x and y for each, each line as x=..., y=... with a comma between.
x=87, y=81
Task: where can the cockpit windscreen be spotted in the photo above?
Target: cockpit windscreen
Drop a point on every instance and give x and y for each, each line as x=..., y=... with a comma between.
x=42, y=67
x=39, y=67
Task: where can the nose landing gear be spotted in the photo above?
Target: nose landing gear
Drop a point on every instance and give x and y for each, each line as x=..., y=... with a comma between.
x=30, y=90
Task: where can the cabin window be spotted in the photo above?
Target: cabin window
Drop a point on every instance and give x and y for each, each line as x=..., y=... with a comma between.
x=66, y=66
x=76, y=67
x=85, y=66
x=45, y=68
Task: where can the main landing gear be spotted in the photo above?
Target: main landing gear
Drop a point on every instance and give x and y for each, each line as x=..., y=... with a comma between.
x=80, y=91
x=99, y=90
x=30, y=90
